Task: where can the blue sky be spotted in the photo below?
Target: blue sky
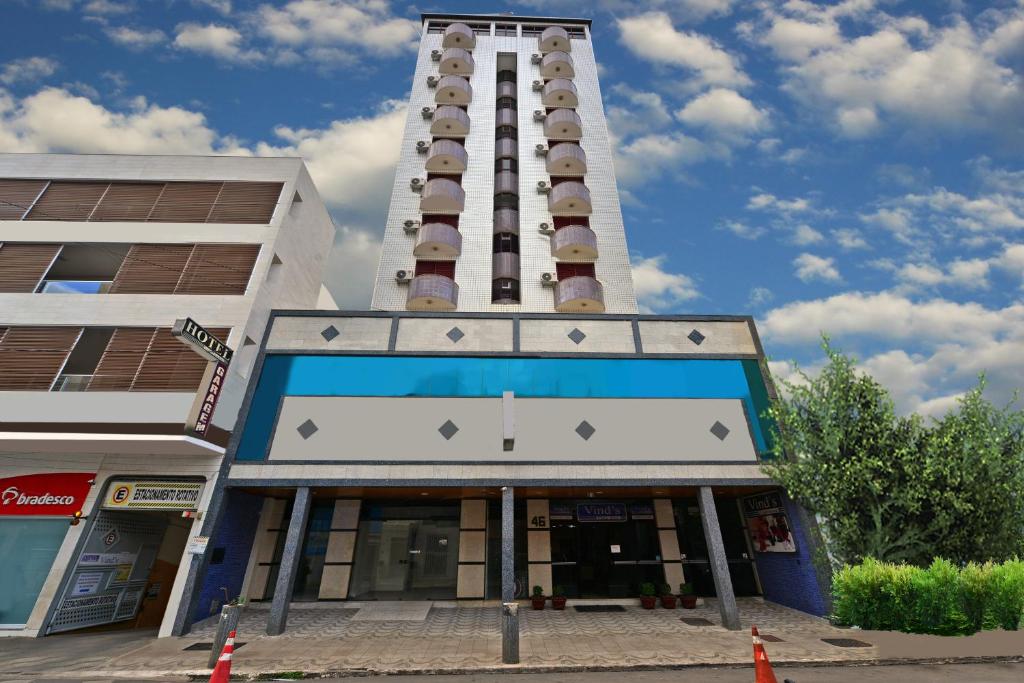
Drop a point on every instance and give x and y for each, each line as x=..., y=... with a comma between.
x=854, y=167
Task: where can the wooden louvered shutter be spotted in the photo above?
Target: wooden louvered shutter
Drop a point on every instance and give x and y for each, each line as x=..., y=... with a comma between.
x=218, y=269
x=170, y=365
x=151, y=269
x=128, y=202
x=31, y=357
x=185, y=202
x=22, y=266
x=16, y=196
x=121, y=360
x=246, y=203
x=67, y=201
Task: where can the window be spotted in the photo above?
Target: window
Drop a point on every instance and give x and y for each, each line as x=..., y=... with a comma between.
x=509, y=132
x=567, y=270
x=563, y=221
x=505, y=164
x=481, y=29
x=84, y=269
x=532, y=30
x=506, y=76
x=446, y=268
x=81, y=364
x=506, y=243
x=506, y=103
x=506, y=30
x=452, y=220
x=34, y=542
x=506, y=200
x=437, y=26
x=505, y=290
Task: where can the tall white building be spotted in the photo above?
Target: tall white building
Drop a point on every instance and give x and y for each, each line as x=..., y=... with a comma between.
x=505, y=197
x=99, y=256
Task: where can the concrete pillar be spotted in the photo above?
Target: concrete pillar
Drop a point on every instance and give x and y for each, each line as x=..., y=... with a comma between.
x=508, y=548
x=262, y=559
x=289, y=562
x=719, y=563
x=472, y=580
x=668, y=541
x=538, y=545
x=341, y=548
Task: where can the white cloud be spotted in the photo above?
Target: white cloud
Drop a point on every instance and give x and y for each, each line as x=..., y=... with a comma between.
x=724, y=111
x=793, y=39
x=684, y=10
x=223, y=42
x=649, y=156
x=898, y=221
x=652, y=37
x=759, y=296
x=810, y=267
x=136, y=38
x=804, y=235
x=221, y=6
x=765, y=201
x=657, y=290
x=107, y=7
x=28, y=69
x=646, y=111
x=741, y=229
x=849, y=239
x=857, y=122
x=352, y=268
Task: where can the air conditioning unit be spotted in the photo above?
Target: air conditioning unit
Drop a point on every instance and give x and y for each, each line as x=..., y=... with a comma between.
x=539, y=115
x=542, y=150
x=538, y=86
x=536, y=58
x=411, y=226
x=422, y=146
x=428, y=112
x=431, y=81
x=548, y=279
x=435, y=55
x=416, y=184
x=403, y=277
x=545, y=228
x=542, y=187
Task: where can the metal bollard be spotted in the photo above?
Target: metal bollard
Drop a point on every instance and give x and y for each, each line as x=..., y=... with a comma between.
x=229, y=615
x=510, y=633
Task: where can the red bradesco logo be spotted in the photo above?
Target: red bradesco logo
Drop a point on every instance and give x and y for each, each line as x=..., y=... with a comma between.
x=60, y=493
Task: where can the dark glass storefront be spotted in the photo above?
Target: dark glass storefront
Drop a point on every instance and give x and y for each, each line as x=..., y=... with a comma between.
x=694, y=548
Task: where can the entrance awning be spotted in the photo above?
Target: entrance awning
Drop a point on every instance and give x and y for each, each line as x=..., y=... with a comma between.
x=80, y=442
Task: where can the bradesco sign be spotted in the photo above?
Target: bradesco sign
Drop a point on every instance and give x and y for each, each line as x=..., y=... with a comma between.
x=54, y=494
x=153, y=495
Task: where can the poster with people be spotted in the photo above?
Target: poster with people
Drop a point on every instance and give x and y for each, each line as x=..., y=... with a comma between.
x=768, y=524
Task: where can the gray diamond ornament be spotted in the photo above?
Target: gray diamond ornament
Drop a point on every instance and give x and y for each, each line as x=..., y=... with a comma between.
x=330, y=333
x=307, y=429
x=577, y=335
x=720, y=430
x=585, y=430
x=455, y=334
x=696, y=337
x=448, y=430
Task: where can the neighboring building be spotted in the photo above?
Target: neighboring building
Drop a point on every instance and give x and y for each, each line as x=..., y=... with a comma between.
x=502, y=433
x=99, y=256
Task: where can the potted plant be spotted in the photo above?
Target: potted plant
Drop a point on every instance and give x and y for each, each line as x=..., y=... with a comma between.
x=538, y=599
x=668, y=600
x=687, y=598
x=647, y=598
x=558, y=597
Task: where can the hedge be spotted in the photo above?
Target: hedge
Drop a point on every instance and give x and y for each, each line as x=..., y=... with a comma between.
x=943, y=599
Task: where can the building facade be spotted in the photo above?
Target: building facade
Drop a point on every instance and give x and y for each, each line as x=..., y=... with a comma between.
x=505, y=419
x=100, y=255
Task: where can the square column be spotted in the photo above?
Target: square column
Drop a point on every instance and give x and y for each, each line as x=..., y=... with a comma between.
x=668, y=541
x=289, y=562
x=472, y=580
x=538, y=545
x=508, y=549
x=719, y=563
x=341, y=546
x=262, y=559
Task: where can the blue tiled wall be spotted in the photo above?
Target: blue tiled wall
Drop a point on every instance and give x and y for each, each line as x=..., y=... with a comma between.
x=790, y=579
x=235, y=535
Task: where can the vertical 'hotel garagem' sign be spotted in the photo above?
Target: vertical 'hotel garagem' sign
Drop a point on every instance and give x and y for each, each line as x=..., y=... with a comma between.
x=217, y=352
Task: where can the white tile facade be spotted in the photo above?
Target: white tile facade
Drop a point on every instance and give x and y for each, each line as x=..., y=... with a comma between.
x=473, y=267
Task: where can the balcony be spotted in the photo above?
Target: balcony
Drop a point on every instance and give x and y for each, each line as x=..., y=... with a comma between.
x=566, y=158
x=505, y=266
x=447, y=156
x=579, y=294
x=456, y=62
x=557, y=65
x=506, y=220
x=506, y=148
x=506, y=117
x=560, y=92
x=506, y=89
x=441, y=195
x=453, y=90
x=506, y=181
x=74, y=286
x=432, y=293
x=72, y=383
x=574, y=243
x=563, y=124
x=553, y=39
x=437, y=241
x=569, y=199
x=459, y=35
x=450, y=121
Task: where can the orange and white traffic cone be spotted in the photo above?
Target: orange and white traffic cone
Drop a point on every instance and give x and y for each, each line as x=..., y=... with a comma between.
x=222, y=672
x=762, y=667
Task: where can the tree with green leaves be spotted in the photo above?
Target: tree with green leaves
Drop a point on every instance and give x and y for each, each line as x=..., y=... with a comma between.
x=894, y=487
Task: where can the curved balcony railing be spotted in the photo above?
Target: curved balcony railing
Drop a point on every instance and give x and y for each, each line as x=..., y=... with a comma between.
x=505, y=265
x=574, y=243
x=560, y=92
x=450, y=120
x=569, y=199
x=441, y=195
x=554, y=38
x=563, y=124
x=447, y=156
x=566, y=158
x=437, y=240
x=506, y=181
x=506, y=220
x=453, y=90
x=506, y=148
x=459, y=35
x=506, y=89
x=456, y=62
x=579, y=294
x=557, y=65
x=432, y=293
x=506, y=117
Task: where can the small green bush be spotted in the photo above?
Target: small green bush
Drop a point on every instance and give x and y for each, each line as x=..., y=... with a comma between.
x=1007, y=603
x=647, y=590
